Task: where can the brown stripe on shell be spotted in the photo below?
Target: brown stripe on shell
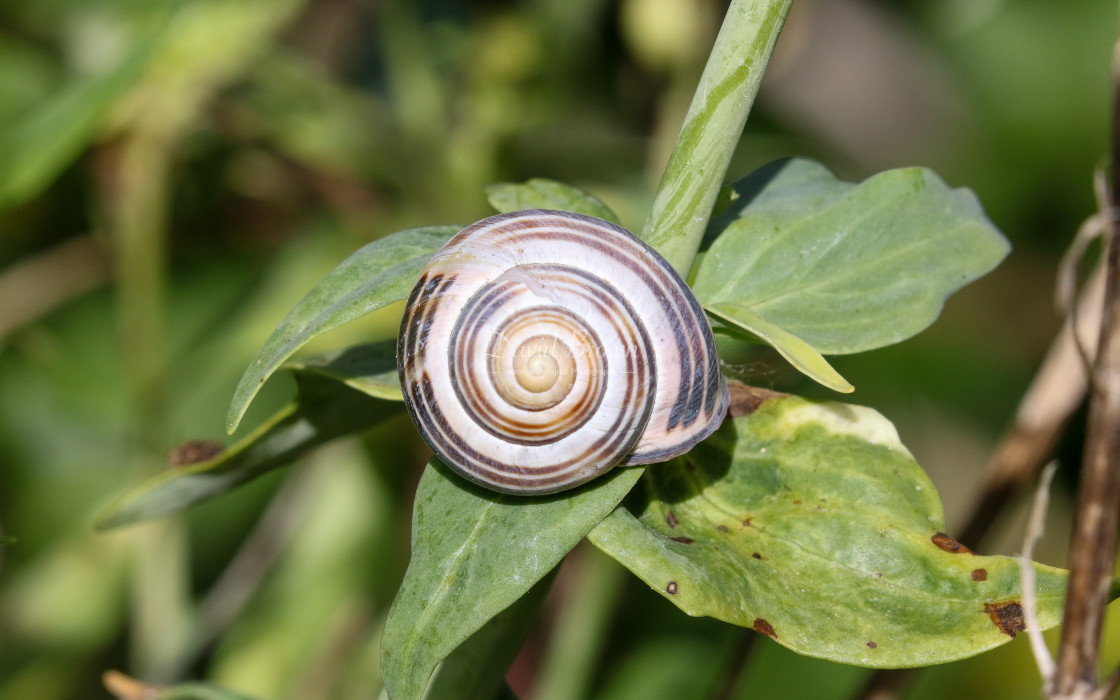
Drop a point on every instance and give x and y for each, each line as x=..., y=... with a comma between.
x=701, y=384
x=455, y=452
x=490, y=418
x=558, y=277
x=700, y=379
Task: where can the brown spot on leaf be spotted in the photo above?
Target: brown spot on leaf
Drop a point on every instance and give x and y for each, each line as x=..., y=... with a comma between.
x=671, y=589
x=948, y=544
x=872, y=645
x=722, y=528
x=747, y=522
x=763, y=627
x=671, y=518
x=682, y=539
x=193, y=452
x=745, y=400
x=689, y=466
x=756, y=555
x=1007, y=616
x=797, y=501
x=979, y=574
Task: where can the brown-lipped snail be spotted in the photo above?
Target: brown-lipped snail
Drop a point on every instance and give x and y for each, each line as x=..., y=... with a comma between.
x=540, y=349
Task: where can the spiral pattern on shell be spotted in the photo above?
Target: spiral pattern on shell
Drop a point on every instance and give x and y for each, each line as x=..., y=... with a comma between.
x=541, y=348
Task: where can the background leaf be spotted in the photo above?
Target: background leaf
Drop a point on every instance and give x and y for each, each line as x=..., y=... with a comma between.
x=812, y=524
x=125, y=688
x=847, y=267
x=323, y=410
x=542, y=193
x=475, y=552
x=35, y=149
x=378, y=274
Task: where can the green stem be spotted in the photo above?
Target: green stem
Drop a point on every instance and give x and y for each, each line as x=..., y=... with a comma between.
x=580, y=631
x=138, y=202
x=715, y=120
x=140, y=223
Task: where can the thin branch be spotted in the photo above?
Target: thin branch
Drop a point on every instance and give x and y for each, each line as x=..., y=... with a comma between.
x=258, y=554
x=1035, y=527
x=256, y=557
x=1110, y=685
x=1055, y=393
x=1093, y=550
x=37, y=285
x=734, y=669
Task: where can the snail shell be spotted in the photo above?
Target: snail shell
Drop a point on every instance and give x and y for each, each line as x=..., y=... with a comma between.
x=541, y=348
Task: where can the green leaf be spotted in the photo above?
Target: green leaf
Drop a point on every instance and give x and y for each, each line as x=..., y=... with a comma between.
x=789, y=187
x=847, y=267
x=541, y=193
x=377, y=275
x=811, y=523
x=475, y=552
x=799, y=353
x=694, y=176
x=324, y=409
x=476, y=670
x=34, y=150
x=370, y=368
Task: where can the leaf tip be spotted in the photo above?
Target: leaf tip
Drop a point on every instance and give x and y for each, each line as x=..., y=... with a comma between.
x=111, y=517
x=232, y=421
x=243, y=395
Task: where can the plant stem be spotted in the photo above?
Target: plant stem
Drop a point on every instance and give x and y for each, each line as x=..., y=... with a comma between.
x=715, y=120
x=1093, y=550
x=735, y=668
x=578, y=638
x=136, y=193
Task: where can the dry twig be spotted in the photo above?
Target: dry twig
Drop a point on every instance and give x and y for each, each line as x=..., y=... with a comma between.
x=1035, y=526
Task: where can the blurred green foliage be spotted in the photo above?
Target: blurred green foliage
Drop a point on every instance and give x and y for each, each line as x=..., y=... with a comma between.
x=174, y=176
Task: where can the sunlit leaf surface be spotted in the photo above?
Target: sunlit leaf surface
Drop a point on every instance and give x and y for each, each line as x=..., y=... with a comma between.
x=846, y=267
x=811, y=523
